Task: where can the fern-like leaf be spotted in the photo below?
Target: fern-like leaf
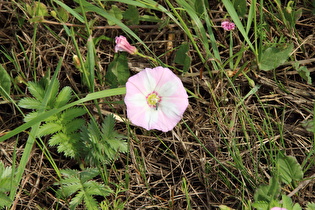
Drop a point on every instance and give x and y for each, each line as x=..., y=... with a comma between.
x=102, y=144
x=81, y=185
x=69, y=144
x=5, y=185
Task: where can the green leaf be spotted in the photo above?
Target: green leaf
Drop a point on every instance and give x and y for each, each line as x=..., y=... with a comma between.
x=36, y=90
x=289, y=169
x=303, y=72
x=273, y=57
x=69, y=144
x=240, y=6
x=63, y=14
x=49, y=128
x=310, y=206
x=30, y=103
x=118, y=70
x=287, y=202
x=267, y=193
x=5, y=201
x=63, y=97
x=131, y=15
x=74, y=125
x=37, y=9
x=102, y=144
x=70, y=114
x=181, y=56
x=261, y=205
x=296, y=207
x=6, y=183
x=115, y=12
x=80, y=184
x=5, y=83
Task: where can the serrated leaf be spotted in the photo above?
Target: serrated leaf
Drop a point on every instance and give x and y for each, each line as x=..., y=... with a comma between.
x=5, y=201
x=261, y=205
x=49, y=128
x=108, y=126
x=30, y=116
x=67, y=144
x=115, y=12
x=77, y=199
x=182, y=58
x=289, y=169
x=72, y=113
x=131, y=15
x=118, y=70
x=30, y=103
x=273, y=57
x=74, y=125
x=310, y=206
x=89, y=174
x=5, y=82
x=63, y=97
x=36, y=90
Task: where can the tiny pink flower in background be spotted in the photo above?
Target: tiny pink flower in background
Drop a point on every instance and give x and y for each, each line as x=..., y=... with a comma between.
x=123, y=45
x=278, y=208
x=227, y=25
x=155, y=99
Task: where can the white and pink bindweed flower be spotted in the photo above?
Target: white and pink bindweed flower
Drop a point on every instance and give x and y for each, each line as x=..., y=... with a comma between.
x=123, y=45
x=155, y=99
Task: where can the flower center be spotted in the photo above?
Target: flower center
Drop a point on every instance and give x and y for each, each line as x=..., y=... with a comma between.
x=153, y=99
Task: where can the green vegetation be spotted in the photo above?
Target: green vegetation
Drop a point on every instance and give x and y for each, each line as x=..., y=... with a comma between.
x=246, y=140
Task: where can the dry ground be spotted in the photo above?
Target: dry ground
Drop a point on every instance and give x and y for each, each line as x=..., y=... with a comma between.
x=166, y=158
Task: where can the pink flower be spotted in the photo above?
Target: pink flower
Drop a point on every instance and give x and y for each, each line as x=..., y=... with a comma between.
x=123, y=45
x=155, y=99
x=227, y=25
x=278, y=208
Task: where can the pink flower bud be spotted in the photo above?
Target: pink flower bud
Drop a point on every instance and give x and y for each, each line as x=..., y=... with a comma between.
x=227, y=25
x=123, y=45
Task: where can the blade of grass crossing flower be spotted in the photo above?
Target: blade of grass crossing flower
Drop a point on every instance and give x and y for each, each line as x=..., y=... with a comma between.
x=41, y=117
x=231, y=10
